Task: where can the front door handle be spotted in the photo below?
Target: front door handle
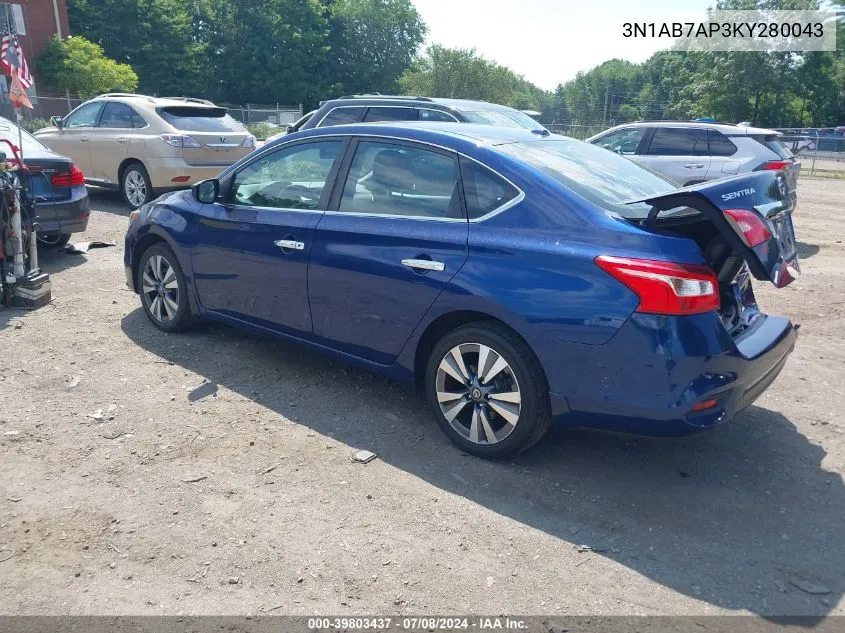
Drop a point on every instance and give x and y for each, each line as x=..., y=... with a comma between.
x=290, y=245
x=424, y=264
x=122, y=139
x=83, y=138
x=694, y=165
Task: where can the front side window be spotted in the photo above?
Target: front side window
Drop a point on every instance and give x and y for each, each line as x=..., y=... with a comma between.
x=290, y=178
x=118, y=115
x=621, y=141
x=339, y=116
x=84, y=116
x=400, y=180
x=390, y=114
x=484, y=190
x=678, y=142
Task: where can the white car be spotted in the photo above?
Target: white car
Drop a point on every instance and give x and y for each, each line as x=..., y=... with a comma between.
x=689, y=152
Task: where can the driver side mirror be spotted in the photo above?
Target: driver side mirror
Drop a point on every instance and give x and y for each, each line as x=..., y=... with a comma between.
x=57, y=121
x=206, y=191
x=289, y=129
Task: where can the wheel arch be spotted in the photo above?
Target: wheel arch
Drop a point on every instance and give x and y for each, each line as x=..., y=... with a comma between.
x=447, y=322
x=124, y=164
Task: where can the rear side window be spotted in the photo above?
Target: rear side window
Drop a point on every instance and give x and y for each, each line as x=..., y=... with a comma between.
x=678, y=142
x=720, y=145
x=120, y=115
x=774, y=143
x=399, y=180
x=436, y=115
x=195, y=119
x=484, y=190
x=339, y=116
x=390, y=114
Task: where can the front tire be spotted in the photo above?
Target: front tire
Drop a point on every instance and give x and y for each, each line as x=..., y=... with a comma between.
x=487, y=390
x=135, y=185
x=163, y=290
x=53, y=239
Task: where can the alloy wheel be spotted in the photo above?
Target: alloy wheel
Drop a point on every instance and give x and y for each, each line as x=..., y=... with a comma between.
x=160, y=288
x=478, y=393
x=135, y=188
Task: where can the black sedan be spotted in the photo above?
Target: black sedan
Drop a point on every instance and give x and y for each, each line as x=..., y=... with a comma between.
x=58, y=186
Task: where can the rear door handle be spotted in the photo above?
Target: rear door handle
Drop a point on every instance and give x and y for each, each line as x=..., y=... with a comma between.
x=122, y=139
x=694, y=165
x=290, y=245
x=424, y=264
x=83, y=138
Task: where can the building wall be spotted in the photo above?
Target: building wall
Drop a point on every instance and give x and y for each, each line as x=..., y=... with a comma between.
x=40, y=23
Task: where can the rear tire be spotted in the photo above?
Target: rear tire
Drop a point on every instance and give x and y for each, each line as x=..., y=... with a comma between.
x=135, y=185
x=53, y=240
x=495, y=410
x=163, y=290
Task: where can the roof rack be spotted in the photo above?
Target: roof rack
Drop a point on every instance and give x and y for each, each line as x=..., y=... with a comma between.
x=130, y=95
x=189, y=100
x=381, y=96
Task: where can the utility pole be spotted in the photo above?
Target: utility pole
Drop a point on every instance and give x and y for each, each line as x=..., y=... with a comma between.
x=606, y=100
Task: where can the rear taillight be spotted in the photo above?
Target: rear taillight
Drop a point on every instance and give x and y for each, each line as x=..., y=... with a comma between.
x=665, y=287
x=180, y=140
x=72, y=178
x=249, y=141
x=748, y=226
x=775, y=165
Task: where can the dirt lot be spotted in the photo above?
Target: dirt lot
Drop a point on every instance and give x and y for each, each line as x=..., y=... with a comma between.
x=102, y=516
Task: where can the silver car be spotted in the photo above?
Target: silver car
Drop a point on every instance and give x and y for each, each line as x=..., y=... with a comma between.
x=691, y=152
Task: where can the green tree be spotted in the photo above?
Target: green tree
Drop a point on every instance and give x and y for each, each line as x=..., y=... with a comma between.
x=269, y=51
x=373, y=42
x=158, y=38
x=79, y=66
x=464, y=74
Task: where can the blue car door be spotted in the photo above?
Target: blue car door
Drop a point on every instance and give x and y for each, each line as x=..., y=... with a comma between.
x=250, y=258
x=394, y=235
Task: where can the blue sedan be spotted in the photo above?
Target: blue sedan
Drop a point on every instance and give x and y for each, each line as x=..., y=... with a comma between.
x=519, y=277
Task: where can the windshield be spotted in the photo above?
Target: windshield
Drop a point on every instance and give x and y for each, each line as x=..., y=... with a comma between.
x=195, y=119
x=9, y=132
x=503, y=118
x=597, y=174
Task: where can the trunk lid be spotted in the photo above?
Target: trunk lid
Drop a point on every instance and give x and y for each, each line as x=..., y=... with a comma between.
x=41, y=172
x=220, y=137
x=736, y=205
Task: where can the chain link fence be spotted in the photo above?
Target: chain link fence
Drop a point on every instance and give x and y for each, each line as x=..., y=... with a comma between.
x=821, y=151
x=581, y=132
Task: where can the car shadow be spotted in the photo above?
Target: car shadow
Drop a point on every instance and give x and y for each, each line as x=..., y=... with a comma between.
x=805, y=251
x=733, y=517
x=107, y=201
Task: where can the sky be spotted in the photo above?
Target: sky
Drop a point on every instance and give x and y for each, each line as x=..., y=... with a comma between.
x=549, y=41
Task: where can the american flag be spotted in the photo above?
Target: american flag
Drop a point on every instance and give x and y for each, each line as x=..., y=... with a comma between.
x=12, y=59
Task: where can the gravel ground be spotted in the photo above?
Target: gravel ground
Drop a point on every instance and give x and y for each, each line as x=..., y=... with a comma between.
x=217, y=476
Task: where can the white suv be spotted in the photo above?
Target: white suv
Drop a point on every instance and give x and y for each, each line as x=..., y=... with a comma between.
x=688, y=152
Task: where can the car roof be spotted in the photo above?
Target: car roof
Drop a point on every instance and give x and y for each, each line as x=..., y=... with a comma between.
x=448, y=133
x=725, y=128
x=461, y=105
x=155, y=102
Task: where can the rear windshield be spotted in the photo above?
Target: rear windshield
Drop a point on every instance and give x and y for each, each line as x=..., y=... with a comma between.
x=597, y=174
x=503, y=118
x=10, y=133
x=774, y=143
x=200, y=119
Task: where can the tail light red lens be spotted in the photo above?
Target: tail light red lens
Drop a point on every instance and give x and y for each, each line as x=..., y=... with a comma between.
x=776, y=165
x=665, y=287
x=72, y=178
x=749, y=226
